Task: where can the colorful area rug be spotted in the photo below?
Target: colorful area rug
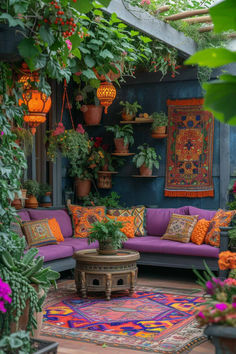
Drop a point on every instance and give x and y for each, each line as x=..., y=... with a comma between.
x=155, y=320
x=189, y=150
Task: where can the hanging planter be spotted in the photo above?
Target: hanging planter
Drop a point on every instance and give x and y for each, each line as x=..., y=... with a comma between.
x=82, y=187
x=10, y=37
x=92, y=114
x=105, y=179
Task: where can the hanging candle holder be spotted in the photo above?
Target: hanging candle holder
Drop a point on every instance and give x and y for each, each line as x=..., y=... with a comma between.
x=106, y=94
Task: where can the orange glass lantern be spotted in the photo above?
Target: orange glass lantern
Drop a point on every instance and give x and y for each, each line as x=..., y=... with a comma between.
x=106, y=93
x=37, y=102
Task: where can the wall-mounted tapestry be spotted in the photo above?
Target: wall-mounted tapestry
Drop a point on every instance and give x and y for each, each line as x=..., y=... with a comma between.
x=189, y=150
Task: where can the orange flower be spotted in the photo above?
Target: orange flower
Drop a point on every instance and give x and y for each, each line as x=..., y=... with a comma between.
x=227, y=260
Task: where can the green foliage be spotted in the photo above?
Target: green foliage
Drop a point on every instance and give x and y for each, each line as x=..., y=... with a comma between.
x=107, y=229
x=25, y=138
x=44, y=188
x=220, y=94
x=159, y=119
x=18, y=342
x=125, y=131
x=147, y=156
x=87, y=95
x=130, y=108
x=112, y=200
x=32, y=187
x=207, y=275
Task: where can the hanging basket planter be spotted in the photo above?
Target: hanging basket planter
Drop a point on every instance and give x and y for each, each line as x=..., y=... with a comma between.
x=92, y=114
x=105, y=179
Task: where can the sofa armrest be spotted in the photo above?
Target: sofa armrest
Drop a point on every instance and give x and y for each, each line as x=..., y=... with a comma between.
x=224, y=238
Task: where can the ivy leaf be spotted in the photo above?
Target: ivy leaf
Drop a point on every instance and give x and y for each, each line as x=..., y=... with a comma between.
x=27, y=48
x=11, y=21
x=46, y=34
x=106, y=54
x=83, y=6
x=134, y=33
x=89, y=61
x=145, y=39
x=223, y=16
x=220, y=99
x=89, y=74
x=122, y=25
x=114, y=18
x=212, y=57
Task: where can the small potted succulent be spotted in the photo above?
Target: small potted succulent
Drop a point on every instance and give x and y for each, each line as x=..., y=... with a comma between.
x=129, y=110
x=107, y=233
x=146, y=159
x=32, y=187
x=123, y=137
x=160, y=122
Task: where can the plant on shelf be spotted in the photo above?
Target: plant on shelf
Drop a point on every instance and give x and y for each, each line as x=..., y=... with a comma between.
x=32, y=187
x=146, y=159
x=123, y=137
x=45, y=191
x=24, y=139
x=107, y=233
x=160, y=122
x=28, y=280
x=87, y=101
x=129, y=110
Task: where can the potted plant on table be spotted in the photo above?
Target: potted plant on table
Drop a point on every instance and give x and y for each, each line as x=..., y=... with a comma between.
x=129, y=110
x=107, y=233
x=32, y=187
x=123, y=137
x=88, y=103
x=160, y=122
x=219, y=308
x=146, y=159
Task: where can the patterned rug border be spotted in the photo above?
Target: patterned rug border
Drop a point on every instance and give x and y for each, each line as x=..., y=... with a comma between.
x=88, y=337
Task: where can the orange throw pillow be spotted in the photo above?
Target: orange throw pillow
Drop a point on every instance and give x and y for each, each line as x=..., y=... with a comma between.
x=221, y=218
x=56, y=230
x=200, y=231
x=128, y=227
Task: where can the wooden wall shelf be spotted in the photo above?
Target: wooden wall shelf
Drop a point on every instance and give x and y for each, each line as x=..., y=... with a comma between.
x=123, y=153
x=137, y=121
x=107, y=172
x=139, y=176
x=158, y=136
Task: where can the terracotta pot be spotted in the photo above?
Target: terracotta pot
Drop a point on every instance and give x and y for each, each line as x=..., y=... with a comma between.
x=93, y=115
x=106, y=248
x=112, y=76
x=31, y=202
x=120, y=146
x=159, y=130
x=16, y=203
x=127, y=117
x=145, y=171
x=83, y=187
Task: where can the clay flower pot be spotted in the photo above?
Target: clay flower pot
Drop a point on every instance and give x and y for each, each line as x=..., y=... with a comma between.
x=127, y=117
x=159, y=132
x=31, y=202
x=83, y=187
x=145, y=171
x=93, y=115
x=120, y=146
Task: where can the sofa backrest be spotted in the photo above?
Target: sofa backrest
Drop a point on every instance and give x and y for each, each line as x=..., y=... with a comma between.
x=24, y=215
x=202, y=213
x=157, y=219
x=61, y=215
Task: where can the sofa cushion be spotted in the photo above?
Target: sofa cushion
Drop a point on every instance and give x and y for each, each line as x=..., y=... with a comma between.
x=180, y=227
x=154, y=244
x=128, y=224
x=157, y=219
x=61, y=215
x=38, y=233
x=55, y=252
x=56, y=230
x=78, y=243
x=24, y=215
x=202, y=213
x=200, y=231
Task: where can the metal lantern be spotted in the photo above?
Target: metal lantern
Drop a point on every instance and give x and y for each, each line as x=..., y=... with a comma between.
x=106, y=93
x=37, y=102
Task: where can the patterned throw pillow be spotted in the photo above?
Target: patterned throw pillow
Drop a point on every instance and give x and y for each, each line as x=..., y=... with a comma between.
x=180, y=227
x=128, y=226
x=200, y=231
x=16, y=227
x=221, y=218
x=139, y=218
x=56, y=230
x=84, y=217
x=38, y=233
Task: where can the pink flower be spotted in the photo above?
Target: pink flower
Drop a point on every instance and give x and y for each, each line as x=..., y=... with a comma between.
x=69, y=44
x=59, y=129
x=78, y=73
x=221, y=306
x=234, y=305
x=201, y=314
x=230, y=281
x=80, y=129
x=2, y=133
x=5, y=291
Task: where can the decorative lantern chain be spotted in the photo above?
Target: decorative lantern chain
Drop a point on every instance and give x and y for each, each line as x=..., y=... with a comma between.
x=37, y=102
x=106, y=93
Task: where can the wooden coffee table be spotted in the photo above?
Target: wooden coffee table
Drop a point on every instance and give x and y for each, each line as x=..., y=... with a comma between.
x=95, y=272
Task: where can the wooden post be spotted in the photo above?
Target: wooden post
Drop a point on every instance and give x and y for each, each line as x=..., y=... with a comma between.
x=186, y=14
x=162, y=9
x=201, y=19
x=206, y=29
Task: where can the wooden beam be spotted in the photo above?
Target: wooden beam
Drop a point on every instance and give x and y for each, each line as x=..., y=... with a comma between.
x=162, y=9
x=186, y=14
x=201, y=19
x=206, y=29
x=224, y=163
x=152, y=27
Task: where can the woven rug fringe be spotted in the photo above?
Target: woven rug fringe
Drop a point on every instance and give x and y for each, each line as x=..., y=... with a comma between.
x=189, y=194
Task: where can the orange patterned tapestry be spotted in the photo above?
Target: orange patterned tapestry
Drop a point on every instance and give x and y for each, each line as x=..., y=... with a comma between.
x=189, y=150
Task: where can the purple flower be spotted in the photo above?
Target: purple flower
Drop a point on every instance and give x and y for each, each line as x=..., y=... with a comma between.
x=221, y=306
x=2, y=133
x=209, y=287
x=5, y=291
x=201, y=314
x=234, y=305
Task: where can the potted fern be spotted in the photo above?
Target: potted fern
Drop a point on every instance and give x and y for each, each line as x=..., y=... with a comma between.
x=123, y=137
x=146, y=159
x=107, y=233
x=160, y=122
x=129, y=110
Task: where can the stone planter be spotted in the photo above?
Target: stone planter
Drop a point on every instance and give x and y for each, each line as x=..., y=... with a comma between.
x=223, y=338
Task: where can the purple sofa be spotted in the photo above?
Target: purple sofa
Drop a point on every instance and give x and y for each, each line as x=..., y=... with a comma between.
x=153, y=250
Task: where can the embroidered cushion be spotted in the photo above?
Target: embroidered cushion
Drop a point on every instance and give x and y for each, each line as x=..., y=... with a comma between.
x=38, y=233
x=221, y=218
x=128, y=226
x=180, y=227
x=200, y=231
x=56, y=230
x=139, y=218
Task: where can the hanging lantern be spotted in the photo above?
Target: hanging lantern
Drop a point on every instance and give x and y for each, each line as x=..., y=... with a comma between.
x=37, y=102
x=106, y=93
